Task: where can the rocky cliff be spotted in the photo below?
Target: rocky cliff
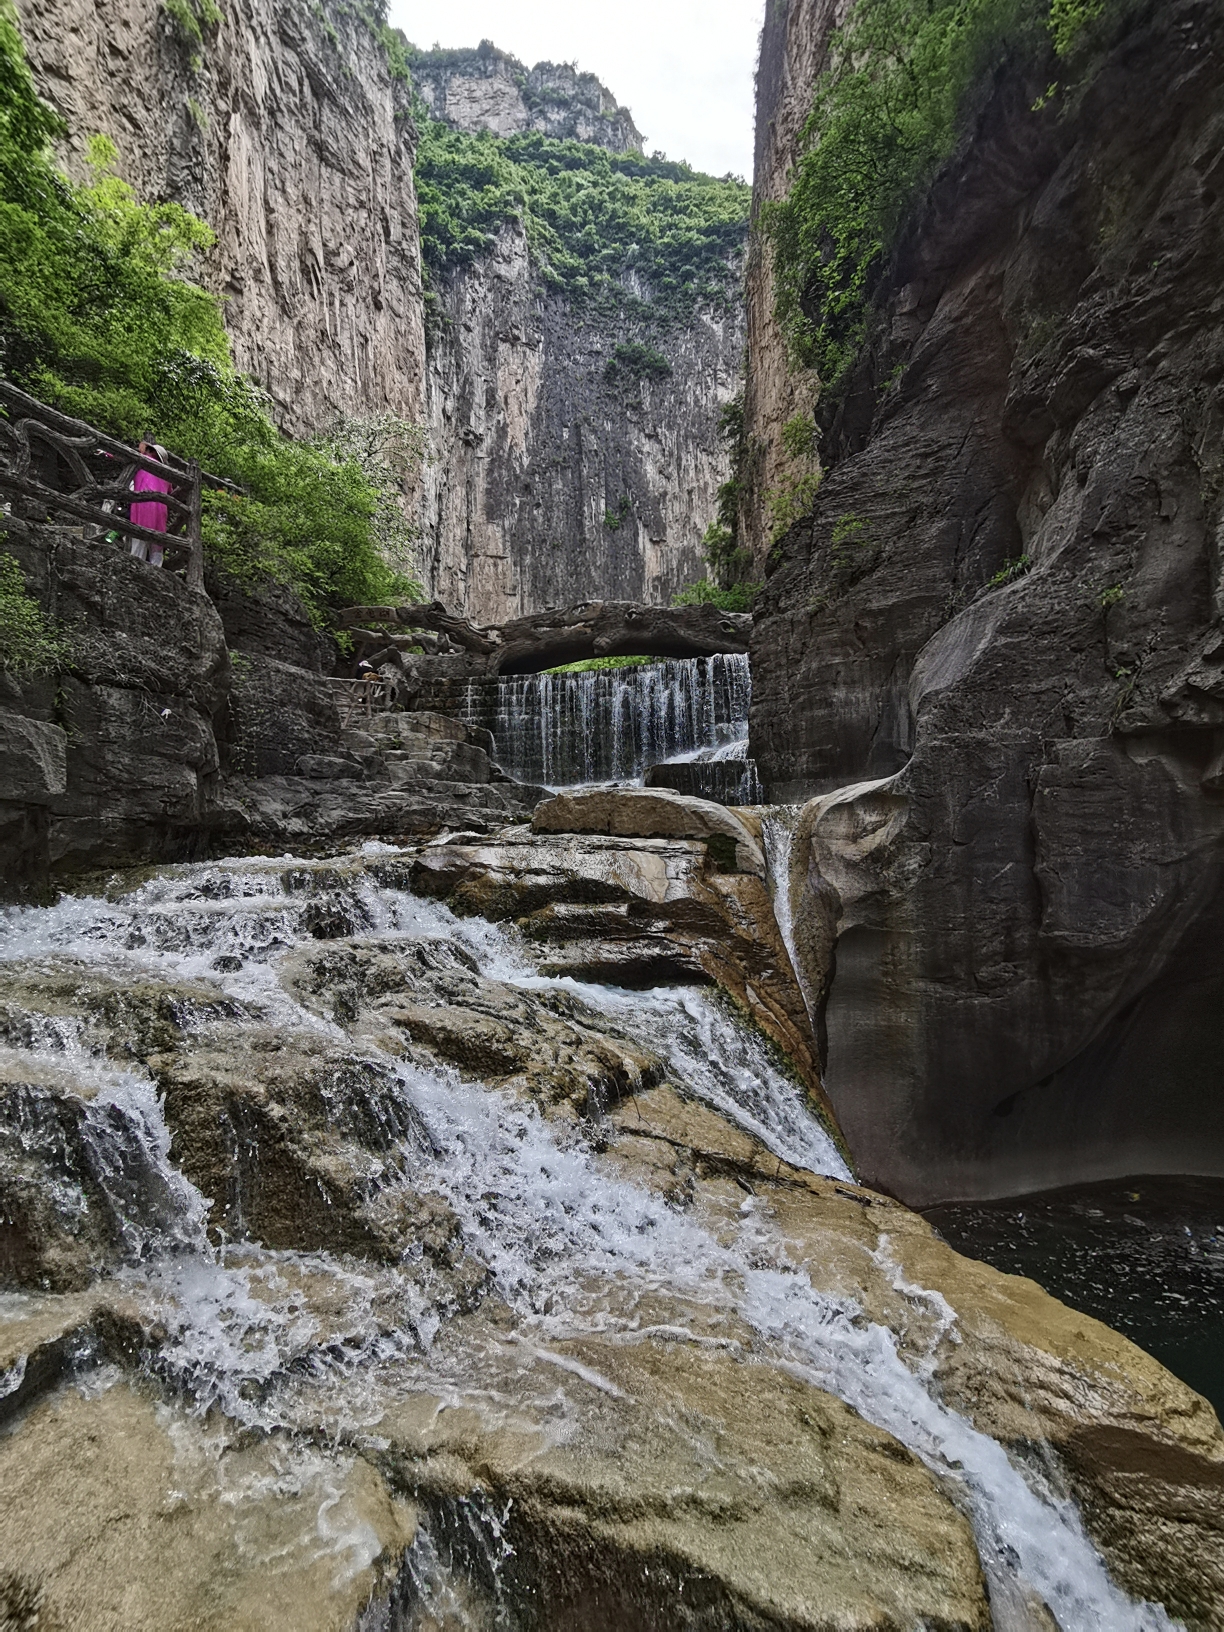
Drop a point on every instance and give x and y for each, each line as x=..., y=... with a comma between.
x=487, y=89
x=995, y=650
x=280, y=126
x=794, y=52
x=557, y=476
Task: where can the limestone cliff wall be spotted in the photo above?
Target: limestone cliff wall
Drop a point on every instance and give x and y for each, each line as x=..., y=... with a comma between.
x=1008, y=687
x=285, y=133
x=488, y=89
x=794, y=51
x=551, y=482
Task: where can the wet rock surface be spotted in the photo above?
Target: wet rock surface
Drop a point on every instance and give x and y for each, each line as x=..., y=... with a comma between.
x=510, y=1298
x=636, y=912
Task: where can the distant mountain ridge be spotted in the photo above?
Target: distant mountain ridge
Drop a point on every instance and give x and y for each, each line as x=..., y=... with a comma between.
x=487, y=89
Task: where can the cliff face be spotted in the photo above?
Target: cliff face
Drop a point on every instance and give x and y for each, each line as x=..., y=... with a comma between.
x=1010, y=665
x=794, y=52
x=553, y=479
x=486, y=89
x=292, y=142
x=116, y=762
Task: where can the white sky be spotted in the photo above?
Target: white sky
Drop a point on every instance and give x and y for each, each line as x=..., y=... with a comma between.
x=683, y=67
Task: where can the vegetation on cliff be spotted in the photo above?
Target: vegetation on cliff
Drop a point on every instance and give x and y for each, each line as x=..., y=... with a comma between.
x=619, y=231
x=887, y=113
x=727, y=585
x=99, y=317
x=29, y=641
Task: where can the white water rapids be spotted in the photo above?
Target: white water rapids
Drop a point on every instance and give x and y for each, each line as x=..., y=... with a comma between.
x=547, y=1217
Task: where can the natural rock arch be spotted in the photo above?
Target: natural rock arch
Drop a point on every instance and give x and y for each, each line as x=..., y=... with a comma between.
x=546, y=639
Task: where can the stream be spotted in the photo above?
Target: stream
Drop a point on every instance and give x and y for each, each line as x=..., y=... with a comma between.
x=1145, y=1255
x=570, y=1246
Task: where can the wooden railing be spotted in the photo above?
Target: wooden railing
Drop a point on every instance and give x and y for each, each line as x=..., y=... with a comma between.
x=51, y=463
x=361, y=699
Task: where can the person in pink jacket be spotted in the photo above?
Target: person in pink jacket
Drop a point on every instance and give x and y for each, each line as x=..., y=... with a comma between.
x=148, y=513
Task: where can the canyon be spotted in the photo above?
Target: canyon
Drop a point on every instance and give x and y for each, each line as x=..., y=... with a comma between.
x=462, y=1130
x=288, y=130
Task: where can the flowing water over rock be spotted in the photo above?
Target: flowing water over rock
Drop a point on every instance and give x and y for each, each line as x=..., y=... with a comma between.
x=612, y=724
x=440, y=1182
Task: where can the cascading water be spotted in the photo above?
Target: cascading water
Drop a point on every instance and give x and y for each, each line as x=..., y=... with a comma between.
x=610, y=725
x=570, y=1246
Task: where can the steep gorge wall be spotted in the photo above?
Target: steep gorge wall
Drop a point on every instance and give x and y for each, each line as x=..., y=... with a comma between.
x=552, y=482
x=794, y=52
x=285, y=132
x=1008, y=684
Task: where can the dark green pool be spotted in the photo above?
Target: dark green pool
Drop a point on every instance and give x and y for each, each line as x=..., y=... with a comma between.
x=1144, y=1255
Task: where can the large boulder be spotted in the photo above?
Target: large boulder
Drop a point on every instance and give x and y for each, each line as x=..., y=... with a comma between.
x=653, y=813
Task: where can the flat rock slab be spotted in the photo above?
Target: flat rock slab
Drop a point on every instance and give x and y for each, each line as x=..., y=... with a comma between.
x=653, y=813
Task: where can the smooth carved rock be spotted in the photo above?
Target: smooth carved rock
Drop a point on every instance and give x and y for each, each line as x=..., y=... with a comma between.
x=635, y=912
x=749, y=1497
x=1143, y=1453
x=1005, y=692
x=649, y=813
x=120, y=1512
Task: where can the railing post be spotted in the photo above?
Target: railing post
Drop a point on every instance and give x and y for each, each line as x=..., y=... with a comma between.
x=195, y=540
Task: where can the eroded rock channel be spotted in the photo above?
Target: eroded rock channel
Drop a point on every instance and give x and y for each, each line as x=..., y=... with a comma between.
x=377, y=1266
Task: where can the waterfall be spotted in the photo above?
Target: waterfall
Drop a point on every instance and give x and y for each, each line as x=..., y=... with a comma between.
x=551, y=1222
x=777, y=838
x=611, y=725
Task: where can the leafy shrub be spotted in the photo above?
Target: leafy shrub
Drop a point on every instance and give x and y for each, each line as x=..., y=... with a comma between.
x=790, y=500
x=1010, y=571
x=639, y=361
x=29, y=642
x=99, y=317
x=737, y=598
x=798, y=437
x=886, y=114
x=613, y=518
x=192, y=17
x=596, y=665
